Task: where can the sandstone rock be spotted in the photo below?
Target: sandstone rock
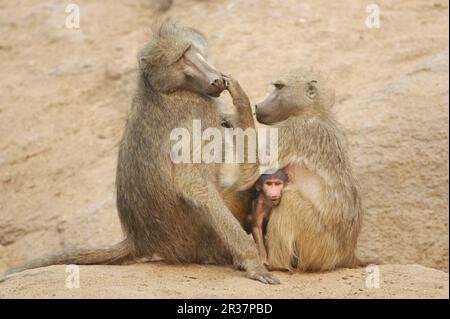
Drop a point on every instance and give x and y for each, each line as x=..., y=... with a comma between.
x=399, y=138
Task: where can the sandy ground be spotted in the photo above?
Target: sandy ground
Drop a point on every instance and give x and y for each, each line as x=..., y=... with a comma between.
x=196, y=281
x=66, y=92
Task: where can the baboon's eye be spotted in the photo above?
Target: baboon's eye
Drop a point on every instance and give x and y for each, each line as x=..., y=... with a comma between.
x=184, y=52
x=278, y=85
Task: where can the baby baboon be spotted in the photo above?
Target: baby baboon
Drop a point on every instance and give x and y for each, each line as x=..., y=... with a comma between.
x=317, y=223
x=268, y=190
x=175, y=210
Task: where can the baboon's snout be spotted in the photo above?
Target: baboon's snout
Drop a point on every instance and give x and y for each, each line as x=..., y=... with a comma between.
x=204, y=77
x=262, y=116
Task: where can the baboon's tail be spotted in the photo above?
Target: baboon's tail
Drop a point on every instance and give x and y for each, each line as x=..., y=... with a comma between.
x=120, y=253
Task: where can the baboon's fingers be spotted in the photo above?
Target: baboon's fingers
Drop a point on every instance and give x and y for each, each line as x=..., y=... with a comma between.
x=263, y=277
x=226, y=80
x=240, y=99
x=230, y=82
x=272, y=280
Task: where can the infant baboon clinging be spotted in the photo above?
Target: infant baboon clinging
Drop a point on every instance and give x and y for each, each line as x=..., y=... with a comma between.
x=317, y=223
x=268, y=190
x=176, y=210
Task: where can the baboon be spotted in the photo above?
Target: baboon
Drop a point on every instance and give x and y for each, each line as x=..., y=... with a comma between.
x=317, y=223
x=176, y=211
x=268, y=190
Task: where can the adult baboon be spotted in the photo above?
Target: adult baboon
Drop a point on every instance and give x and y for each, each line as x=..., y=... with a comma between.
x=317, y=223
x=175, y=210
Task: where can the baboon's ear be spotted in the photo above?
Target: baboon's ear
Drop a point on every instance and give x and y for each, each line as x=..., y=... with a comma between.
x=290, y=179
x=258, y=187
x=312, y=89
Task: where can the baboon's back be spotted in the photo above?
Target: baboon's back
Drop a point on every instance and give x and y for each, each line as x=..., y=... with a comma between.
x=151, y=210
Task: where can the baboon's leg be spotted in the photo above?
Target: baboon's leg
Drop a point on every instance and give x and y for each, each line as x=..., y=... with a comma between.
x=257, y=231
x=204, y=199
x=239, y=203
x=297, y=236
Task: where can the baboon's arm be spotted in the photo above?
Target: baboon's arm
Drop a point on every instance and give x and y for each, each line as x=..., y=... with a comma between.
x=205, y=199
x=239, y=204
x=248, y=172
x=244, y=117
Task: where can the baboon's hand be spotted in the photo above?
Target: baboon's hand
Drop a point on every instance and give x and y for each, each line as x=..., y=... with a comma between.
x=233, y=86
x=238, y=95
x=262, y=275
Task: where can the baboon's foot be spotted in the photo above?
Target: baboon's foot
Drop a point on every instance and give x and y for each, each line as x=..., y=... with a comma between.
x=256, y=270
x=262, y=275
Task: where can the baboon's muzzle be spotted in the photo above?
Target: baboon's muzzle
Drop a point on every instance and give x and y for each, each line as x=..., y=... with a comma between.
x=206, y=78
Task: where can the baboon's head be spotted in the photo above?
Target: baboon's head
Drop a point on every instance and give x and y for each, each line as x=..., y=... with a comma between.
x=296, y=93
x=271, y=184
x=176, y=59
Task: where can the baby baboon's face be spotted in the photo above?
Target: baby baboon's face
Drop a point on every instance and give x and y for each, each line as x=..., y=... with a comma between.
x=294, y=94
x=271, y=189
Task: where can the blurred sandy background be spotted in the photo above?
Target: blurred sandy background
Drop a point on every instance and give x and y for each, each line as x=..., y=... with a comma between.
x=66, y=92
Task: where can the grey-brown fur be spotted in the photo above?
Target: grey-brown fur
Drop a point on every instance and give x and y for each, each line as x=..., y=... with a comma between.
x=317, y=223
x=175, y=210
